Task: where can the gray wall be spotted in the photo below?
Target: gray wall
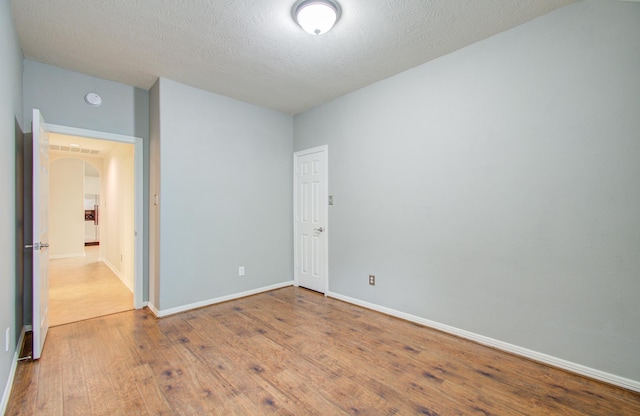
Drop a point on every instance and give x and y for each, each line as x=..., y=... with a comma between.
x=225, y=195
x=10, y=119
x=59, y=95
x=154, y=189
x=496, y=189
x=20, y=229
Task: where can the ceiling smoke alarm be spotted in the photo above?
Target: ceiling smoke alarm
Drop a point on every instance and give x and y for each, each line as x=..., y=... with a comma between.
x=93, y=99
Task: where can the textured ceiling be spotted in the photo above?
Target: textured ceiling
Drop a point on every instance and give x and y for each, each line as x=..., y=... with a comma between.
x=251, y=50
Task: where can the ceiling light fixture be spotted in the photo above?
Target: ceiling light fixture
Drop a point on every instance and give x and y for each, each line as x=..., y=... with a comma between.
x=316, y=16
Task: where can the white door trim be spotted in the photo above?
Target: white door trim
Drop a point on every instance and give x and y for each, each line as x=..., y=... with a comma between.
x=138, y=216
x=325, y=220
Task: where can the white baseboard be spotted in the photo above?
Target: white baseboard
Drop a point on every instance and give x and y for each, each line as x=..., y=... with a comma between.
x=178, y=309
x=115, y=271
x=153, y=309
x=500, y=345
x=12, y=374
x=66, y=256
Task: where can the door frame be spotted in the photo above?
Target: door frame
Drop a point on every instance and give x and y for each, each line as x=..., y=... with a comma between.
x=319, y=149
x=138, y=208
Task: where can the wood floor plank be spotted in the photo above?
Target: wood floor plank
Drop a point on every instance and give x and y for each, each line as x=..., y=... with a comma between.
x=245, y=378
x=269, y=357
x=99, y=365
x=84, y=288
x=23, y=400
x=49, y=397
x=74, y=383
x=149, y=389
x=291, y=352
x=172, y=370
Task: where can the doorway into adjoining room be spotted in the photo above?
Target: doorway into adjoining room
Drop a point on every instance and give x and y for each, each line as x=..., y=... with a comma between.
x=91, y=205
x=91, y=200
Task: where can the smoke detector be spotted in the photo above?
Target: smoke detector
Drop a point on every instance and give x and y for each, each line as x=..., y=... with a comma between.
x=93, y=99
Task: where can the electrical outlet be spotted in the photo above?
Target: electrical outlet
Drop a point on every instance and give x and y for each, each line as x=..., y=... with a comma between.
x=241, y=271
x=7, y=336
x=372, y=280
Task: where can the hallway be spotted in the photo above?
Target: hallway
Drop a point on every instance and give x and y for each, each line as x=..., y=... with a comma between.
x=83, y=287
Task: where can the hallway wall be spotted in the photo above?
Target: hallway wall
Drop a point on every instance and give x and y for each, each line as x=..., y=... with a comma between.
x=118, y=210
x=66, y=208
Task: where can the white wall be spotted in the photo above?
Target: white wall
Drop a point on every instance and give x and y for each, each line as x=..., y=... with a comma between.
x=117, y=229
x=496, y=189
x=66, y=208
x=91, y=185
x=225, y=195
x=10, y=115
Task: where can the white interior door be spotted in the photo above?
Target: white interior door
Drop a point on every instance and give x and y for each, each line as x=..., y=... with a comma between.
x=310, y=218
x=40, y=233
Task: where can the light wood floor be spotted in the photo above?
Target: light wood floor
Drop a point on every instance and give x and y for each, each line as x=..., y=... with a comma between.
x=83, y=287
x=290, y=352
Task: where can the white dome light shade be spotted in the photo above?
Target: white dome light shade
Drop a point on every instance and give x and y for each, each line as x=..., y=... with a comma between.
x=316, y=16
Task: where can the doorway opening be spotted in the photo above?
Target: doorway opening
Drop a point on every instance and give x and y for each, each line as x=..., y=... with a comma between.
x=91, y=205
x=39, y=218
x=91, y=216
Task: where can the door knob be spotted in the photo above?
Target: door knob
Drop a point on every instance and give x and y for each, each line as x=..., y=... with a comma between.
x=319, y=229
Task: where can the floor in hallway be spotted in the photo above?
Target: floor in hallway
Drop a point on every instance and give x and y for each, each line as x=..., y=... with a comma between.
x=84, y=287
